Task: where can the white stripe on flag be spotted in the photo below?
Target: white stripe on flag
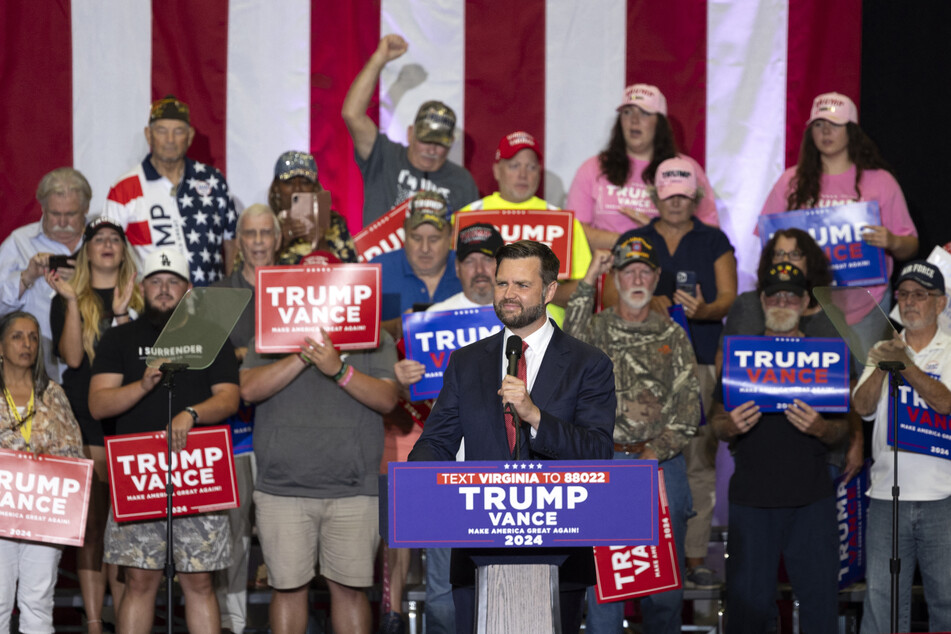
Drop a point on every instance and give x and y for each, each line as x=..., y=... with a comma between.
x=746, y=105
x=585, y=50
x=268, y=91
x=112, y=55
x=432, y=68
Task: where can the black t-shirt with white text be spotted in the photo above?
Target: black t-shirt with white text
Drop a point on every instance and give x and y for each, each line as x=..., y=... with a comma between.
x=124, y=349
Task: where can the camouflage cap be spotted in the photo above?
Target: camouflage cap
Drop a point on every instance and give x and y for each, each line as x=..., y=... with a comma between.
x=169, y=107
x=428, y=207
x=435, y=123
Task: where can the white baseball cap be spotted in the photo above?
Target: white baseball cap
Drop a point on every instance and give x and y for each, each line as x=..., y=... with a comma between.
x=166, y=261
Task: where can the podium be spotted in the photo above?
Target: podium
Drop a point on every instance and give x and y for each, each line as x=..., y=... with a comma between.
x=523, y=515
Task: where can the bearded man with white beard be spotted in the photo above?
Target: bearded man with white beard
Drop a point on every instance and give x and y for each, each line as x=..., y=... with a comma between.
x=658, y=393
x=782, y=500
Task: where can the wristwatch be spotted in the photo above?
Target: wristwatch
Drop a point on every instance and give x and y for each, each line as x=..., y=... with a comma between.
x=191, y=410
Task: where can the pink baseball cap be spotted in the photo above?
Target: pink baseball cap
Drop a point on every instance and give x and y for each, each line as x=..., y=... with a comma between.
x=646, y=97
x=512, y=144
x=835, y=108
x=676, y=176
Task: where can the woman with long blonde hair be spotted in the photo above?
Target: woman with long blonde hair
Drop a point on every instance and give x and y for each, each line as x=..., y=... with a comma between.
x=102, y=293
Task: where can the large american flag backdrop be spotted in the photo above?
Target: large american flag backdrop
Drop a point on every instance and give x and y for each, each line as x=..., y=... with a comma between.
x=77, y=77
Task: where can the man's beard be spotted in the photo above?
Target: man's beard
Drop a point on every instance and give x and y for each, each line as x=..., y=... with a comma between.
x=483, y=294
x=527, y=316
x=627, y=296
x=157, y=317
x=781, y=319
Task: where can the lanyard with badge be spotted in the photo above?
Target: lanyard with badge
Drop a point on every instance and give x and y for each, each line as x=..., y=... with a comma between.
x=25, y=422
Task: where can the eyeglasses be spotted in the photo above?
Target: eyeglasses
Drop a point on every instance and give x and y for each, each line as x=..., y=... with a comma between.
x=784, y=297
x=917, y=296
x=779, y=255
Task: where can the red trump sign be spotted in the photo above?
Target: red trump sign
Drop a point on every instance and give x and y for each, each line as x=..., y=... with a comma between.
x=625, y=572
x=293, y=302
x=43, y=498
x=203, y=474
x=383, y=235
x=551, y=226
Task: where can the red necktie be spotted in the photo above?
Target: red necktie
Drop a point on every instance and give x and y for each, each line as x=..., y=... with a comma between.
x=522, y=374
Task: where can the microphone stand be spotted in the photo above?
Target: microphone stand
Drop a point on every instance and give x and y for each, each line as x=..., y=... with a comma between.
x=894, y=369
x=169, y=370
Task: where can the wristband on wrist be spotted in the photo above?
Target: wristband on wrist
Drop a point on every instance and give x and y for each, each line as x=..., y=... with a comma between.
x=343, y=370
x=346, y=379
x=125, y=314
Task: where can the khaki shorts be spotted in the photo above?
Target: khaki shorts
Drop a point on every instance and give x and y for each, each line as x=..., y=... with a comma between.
x=296, y=533
x=200, y=543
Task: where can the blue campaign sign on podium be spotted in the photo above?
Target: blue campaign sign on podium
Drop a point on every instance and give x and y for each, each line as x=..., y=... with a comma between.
x=521, y=503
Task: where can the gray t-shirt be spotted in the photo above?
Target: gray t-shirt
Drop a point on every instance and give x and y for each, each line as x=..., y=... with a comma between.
x=389, y=179
x=314, y=440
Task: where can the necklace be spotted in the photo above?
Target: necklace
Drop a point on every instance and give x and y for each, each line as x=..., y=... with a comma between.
x=24, y=423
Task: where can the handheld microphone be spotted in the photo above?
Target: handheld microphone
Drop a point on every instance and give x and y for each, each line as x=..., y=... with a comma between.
x=513, y=352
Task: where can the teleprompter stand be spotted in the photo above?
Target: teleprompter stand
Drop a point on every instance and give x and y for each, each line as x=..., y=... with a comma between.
x=861, y=337
x=191, y=340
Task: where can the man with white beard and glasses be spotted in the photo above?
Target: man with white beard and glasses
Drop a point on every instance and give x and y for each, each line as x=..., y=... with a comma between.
x=658, y=404
x=782, y=500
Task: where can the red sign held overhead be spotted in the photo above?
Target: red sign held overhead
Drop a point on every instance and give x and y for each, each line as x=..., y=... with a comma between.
x=384, y=234
x=293, y=302
x=202, y=474
x=44, y=498
x=551, y=226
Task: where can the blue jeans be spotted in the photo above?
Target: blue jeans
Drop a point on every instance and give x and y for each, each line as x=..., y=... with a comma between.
x=807, y=538
x=662, y=611
x=924, y=536
x=438, y=612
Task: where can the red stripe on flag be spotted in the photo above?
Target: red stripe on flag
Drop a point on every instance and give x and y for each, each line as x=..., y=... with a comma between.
x=824, y=55
x=332, y=70
x=667, y=47
x=36, y=92
x=190, y=60
x=504, y=80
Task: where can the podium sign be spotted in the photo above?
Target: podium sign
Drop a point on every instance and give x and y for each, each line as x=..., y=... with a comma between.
x=202, y=473
x=44, y=498
x=625, y=572
x=552, y=226
x=489, y=504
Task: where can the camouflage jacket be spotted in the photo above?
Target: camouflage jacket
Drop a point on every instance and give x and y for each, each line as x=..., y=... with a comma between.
x=655, y=373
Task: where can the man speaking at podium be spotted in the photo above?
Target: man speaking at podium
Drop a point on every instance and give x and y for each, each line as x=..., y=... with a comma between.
x=563, y=393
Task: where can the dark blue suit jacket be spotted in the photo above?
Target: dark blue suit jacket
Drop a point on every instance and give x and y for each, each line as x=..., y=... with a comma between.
x=574, y=390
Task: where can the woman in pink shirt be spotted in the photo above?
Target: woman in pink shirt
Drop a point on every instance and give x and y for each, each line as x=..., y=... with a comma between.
x=609, y=192
x=839, y=164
